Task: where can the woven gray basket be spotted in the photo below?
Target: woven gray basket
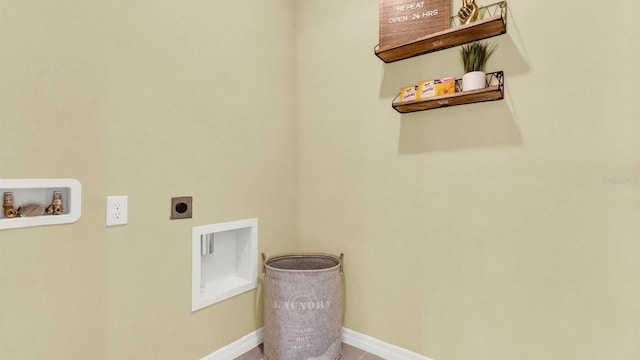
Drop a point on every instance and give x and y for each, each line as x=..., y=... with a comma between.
x=302, y=307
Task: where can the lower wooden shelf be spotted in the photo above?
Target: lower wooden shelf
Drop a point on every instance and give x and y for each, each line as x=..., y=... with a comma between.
x=493, y=91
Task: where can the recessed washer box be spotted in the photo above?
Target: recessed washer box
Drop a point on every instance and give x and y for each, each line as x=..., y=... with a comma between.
x=225, y=261
x=40, y=191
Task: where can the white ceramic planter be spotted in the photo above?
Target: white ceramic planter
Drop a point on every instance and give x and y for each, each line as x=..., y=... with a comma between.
x=474, y=80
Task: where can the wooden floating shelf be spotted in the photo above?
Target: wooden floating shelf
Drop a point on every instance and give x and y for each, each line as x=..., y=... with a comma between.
x=494, y=91
x=478, y=30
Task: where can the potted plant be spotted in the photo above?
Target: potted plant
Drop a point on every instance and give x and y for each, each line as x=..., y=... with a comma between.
x=474, y=59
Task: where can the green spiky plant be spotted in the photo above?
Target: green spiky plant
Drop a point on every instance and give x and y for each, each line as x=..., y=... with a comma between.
x=476, y=54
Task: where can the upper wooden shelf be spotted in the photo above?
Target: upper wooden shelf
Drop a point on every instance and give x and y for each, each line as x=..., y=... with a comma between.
x=493, y=22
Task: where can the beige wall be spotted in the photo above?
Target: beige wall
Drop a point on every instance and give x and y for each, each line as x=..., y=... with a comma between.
x=145, y=99
x=481, y=231
x=475, y=232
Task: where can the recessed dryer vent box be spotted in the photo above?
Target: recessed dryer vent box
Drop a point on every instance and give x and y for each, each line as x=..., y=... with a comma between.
x=225, y=261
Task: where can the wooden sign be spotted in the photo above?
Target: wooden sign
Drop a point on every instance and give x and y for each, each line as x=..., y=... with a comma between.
x=405, y=21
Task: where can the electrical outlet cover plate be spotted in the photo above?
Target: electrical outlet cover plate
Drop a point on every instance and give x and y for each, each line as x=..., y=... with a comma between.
x=117, y=210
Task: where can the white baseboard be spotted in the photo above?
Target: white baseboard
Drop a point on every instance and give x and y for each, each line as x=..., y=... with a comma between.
x=353, y=338
x=238, y=347
x=377, y=347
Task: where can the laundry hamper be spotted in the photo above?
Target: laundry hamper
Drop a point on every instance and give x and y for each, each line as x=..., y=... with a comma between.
x=302, y=307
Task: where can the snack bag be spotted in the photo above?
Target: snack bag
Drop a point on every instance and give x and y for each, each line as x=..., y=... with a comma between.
x=445, y=86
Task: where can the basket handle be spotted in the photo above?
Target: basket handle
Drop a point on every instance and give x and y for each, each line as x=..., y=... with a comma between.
x=264, y=269
x=341, y=264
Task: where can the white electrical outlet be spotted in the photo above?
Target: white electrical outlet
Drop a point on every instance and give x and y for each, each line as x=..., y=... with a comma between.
x=116, y=210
